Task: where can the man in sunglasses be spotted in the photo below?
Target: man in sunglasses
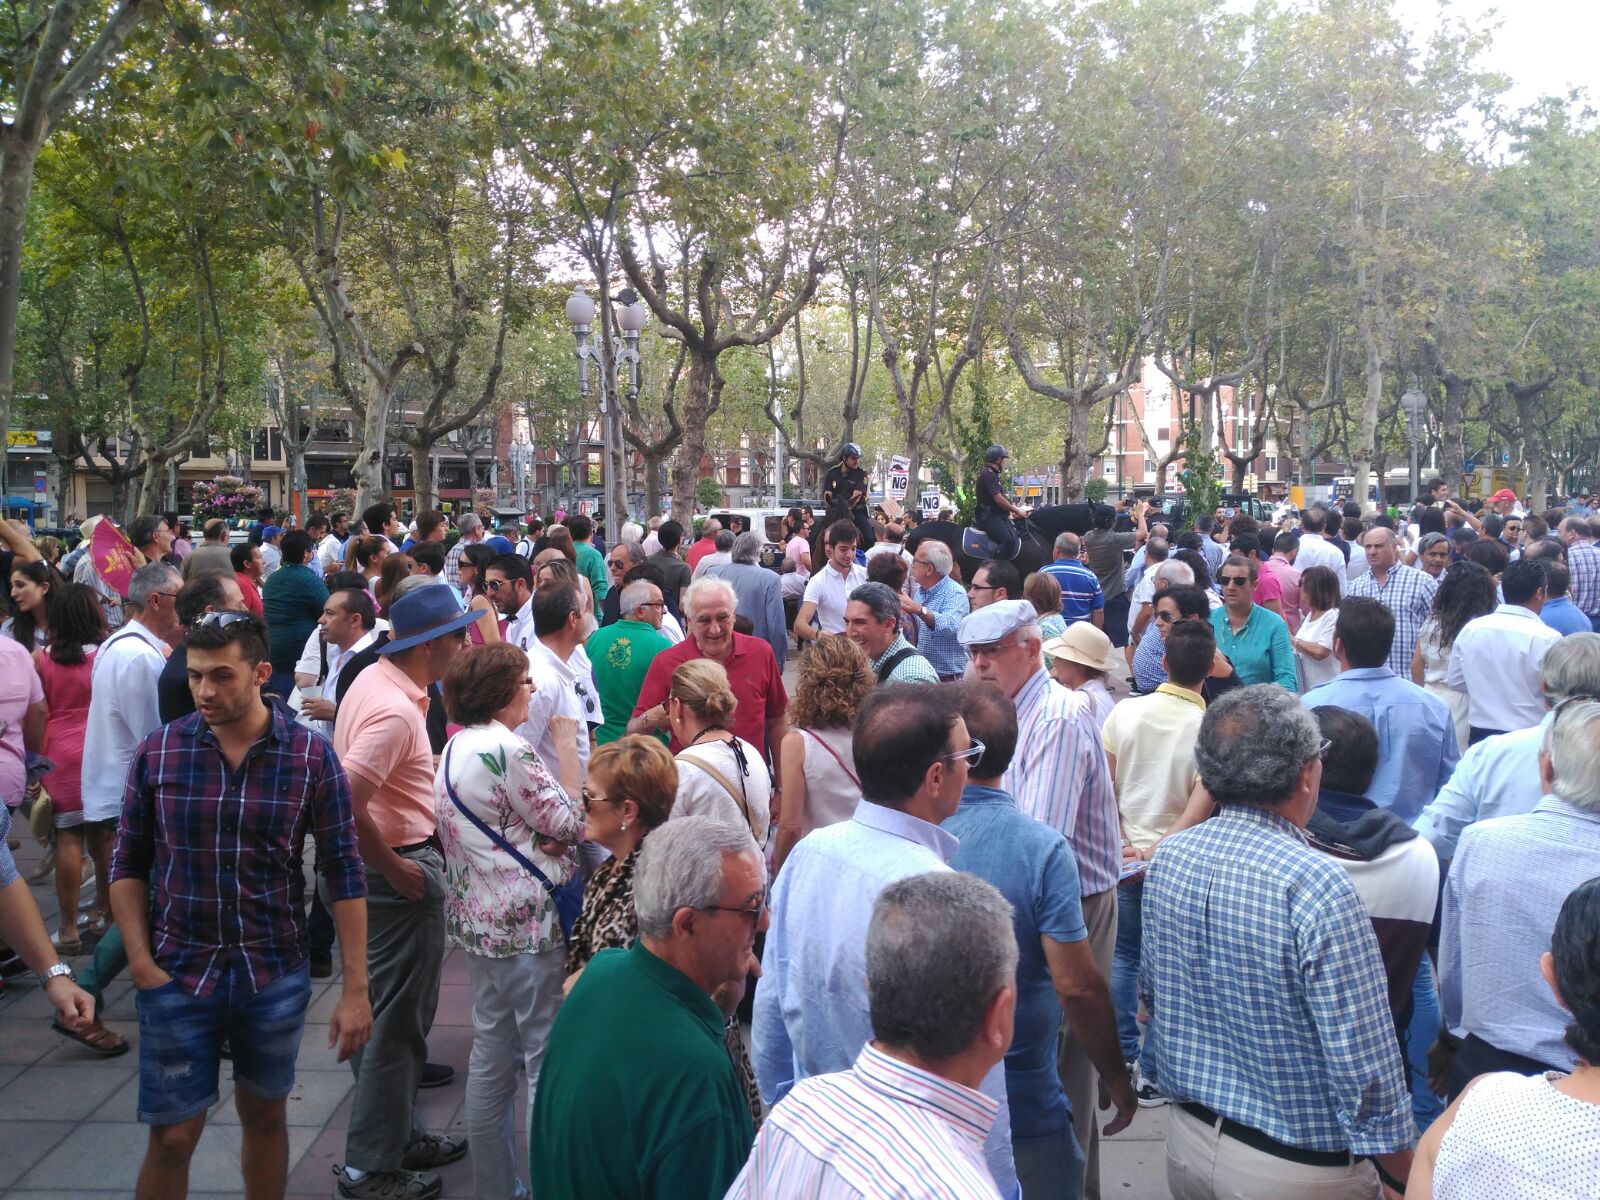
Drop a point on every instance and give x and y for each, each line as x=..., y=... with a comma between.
x=1255, y=639
x=812, y=1015
x=1058, y=776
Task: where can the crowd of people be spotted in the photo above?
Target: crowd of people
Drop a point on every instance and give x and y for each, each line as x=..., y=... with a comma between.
x=1292, y=830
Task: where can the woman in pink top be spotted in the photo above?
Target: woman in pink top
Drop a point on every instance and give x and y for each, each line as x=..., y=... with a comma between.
x=66, y=666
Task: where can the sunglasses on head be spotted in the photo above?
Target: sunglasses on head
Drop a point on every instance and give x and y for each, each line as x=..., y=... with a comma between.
x=220, y=619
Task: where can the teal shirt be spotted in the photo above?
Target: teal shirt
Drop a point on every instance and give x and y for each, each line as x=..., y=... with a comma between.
x=637, y=1098
x=292, y=600
x=1260, y=652
x=591, y=563
x=621, y=654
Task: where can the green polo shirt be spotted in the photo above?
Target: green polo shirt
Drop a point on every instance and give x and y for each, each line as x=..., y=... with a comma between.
x=637, y=1097
x=621, y=654
x=1260, y=652
x=593, y=564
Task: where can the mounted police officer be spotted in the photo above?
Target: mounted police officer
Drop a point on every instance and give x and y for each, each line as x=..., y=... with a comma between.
x=993, y=509
x=844, y=493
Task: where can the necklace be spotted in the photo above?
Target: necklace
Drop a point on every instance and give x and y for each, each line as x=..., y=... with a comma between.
x=695, y=740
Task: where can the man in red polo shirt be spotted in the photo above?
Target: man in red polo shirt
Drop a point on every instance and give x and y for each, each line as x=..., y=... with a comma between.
x=706, y=544
x=760, y=718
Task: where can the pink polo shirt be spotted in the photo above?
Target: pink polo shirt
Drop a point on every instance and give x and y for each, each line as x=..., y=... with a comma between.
x=381, y=735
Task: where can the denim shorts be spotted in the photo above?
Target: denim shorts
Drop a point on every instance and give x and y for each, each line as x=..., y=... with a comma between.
x=181, y=1037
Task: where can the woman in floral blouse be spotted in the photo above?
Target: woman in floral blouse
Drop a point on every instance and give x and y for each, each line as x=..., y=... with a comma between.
x=494, y=908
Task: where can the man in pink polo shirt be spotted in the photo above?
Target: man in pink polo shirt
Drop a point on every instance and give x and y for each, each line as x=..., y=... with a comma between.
x=381, y=738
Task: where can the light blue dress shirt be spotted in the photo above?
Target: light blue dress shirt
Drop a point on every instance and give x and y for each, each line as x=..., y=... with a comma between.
x=1499, y=777
x=1506, y=886
x=1417, y=748
x=1564, y=616
x=939, y=645
x=811, y=1010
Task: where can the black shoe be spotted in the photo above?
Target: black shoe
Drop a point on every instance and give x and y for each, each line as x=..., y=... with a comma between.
x=322, y=968
x=433, y=1150
x=436, y=1075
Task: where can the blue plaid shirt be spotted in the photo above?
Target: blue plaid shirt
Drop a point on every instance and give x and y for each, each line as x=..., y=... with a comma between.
x=1583, y=561
x=1148, y=672
x=1266, y=990
x=949, y=605
x=220, y=849
x=1408, y=594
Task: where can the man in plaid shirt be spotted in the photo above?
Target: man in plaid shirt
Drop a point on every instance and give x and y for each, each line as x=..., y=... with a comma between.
x=207, y=888
x=1405, y=591
x=1270, y=1028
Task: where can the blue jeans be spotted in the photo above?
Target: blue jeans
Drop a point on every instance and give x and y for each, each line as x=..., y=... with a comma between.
x=1125, y=967
x=180, y=1042
x=1420, y=1035
x=1049, y=1167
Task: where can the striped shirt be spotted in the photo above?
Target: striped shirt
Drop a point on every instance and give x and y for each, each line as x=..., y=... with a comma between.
x=1266, y=988
x=1059, y=776
x=882, y=1129
x=939, y=645
x=1408, y=594
x=220, y=849
x=1081, y=596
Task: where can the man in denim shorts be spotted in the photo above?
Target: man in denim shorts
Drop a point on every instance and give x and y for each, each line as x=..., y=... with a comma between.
x=207, y=888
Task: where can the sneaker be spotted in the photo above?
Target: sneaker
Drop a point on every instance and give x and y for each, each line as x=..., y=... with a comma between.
x=1146, y=1092
x=433, y=1150
x=322, y=968
x=436, y=1075
x=387, y=1185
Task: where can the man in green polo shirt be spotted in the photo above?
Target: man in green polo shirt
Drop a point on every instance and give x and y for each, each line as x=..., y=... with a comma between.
x=638, y=1097
x=621, y=654
x=590, y=561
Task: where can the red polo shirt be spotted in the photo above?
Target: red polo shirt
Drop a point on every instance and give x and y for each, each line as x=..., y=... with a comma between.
x=698, y=551
x=752, y=673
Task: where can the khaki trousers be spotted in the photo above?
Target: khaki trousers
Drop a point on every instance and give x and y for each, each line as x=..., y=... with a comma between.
x=1078, y=1075
x=1202, y=1164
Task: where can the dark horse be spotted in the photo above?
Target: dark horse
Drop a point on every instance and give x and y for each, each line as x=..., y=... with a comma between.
x=1038, y=536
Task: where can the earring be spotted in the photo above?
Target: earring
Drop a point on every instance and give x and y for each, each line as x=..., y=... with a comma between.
x=624, y=824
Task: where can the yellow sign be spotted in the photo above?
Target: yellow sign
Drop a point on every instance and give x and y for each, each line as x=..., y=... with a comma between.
x=27, y=437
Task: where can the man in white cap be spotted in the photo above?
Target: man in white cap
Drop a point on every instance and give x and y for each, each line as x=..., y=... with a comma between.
x=1058, y=776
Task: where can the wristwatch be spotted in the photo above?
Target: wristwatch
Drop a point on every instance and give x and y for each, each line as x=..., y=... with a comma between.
x=50, y=973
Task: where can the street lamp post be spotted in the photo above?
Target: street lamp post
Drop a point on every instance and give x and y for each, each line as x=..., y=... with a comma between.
x=1415, y=404
x=631, y=319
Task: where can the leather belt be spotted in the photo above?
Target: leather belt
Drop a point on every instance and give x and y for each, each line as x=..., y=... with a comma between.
x=1265, y=1143
x=428, y=843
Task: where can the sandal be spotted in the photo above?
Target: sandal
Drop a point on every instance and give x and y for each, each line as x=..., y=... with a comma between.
x=66, y=949
x=45, y=869
x=107, y=1043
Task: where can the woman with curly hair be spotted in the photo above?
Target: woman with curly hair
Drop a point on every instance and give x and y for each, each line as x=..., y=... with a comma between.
x=1466, y=590
x=818, y=784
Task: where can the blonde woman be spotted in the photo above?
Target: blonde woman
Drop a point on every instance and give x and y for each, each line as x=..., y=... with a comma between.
x=719, y=775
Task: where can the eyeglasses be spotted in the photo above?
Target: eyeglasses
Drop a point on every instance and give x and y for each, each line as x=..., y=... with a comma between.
x=1234, y=580
x=1326, y=746
x=755, y=914
x=652, y=604
x=992, y=648
x=1162, y=618
x=617, y=564
x=970, y=755
x=493, y=585
x=983, y=587
x=588, y=800
x=220, y=619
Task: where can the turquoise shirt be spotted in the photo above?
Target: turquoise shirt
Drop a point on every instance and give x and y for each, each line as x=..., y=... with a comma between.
x=1260, y=652
x=591, y=564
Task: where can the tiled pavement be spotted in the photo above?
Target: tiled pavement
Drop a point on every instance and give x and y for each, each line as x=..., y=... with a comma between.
x=69, y=1131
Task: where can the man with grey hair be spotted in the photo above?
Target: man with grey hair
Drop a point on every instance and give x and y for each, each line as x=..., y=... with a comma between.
x=620, y=653
x=941, y=604
x=759, y=591
x=1405, y=591
x=941, y=963
x=872, y=621
x=1499, y=777
x=705, y=544
x=1270, y=1028
x=1583, y=561
x=812, y=1011
x=1505, y=887
x=470, y=527
x=125, y=704
x=1081, y=597
x=638, y=1096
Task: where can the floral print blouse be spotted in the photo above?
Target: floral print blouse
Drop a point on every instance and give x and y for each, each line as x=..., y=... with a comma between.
x=492, y=905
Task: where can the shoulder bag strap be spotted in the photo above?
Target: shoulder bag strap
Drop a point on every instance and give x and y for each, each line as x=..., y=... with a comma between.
x=483, y=828
x=835, y=754
x=893, y=661
x=738, y=797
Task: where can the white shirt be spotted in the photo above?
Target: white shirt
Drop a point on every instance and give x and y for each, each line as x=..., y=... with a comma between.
x=1318, y=551
x=1317, y=631
x=555, y=694
x=700, y=794
x=715, y=559
x=271, y=559
x=670, y=629
x=123, y=709
x=829, y=591
x=1495, y=661
x=330, y=554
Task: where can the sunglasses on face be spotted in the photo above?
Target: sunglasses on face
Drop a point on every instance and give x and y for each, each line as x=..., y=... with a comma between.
x=1235, y=581
x=493, y=585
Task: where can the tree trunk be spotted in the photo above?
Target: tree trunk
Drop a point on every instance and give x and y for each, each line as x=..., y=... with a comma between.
x=371, y=484
x=1367, y=425
x=652, y=484
x=17, y=158
x=1076, y=460
x=1452, y=451
x=422, y=477
x=697, y=407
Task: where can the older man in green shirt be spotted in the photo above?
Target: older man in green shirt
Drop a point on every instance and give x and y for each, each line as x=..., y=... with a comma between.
x=621, y=653
x=638, y=1097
